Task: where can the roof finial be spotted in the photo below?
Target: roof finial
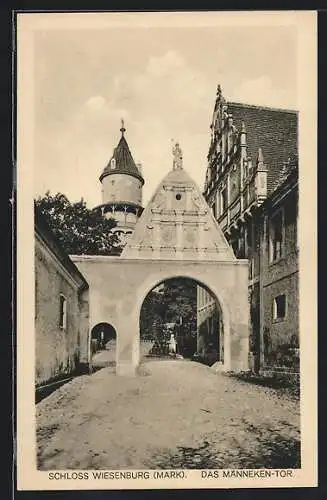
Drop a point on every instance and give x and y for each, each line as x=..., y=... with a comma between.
x=139, y=166
x=122, y=127
x=178, y=157
x=260, y=156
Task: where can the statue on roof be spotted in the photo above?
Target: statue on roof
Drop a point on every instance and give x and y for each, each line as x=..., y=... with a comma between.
x=178, y=157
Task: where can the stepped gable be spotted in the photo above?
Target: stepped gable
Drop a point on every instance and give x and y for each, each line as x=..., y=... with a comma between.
x=178, y=224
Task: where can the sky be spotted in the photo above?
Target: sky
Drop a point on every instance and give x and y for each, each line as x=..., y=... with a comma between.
x=161, y=81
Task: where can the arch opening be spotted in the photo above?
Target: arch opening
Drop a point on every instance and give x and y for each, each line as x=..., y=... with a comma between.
x=181, y=318
x=103, y=345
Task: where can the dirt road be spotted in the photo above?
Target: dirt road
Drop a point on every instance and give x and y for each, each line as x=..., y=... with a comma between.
x=174, y=414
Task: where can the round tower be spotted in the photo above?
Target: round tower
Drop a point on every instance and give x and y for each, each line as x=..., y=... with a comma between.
x=122, y=184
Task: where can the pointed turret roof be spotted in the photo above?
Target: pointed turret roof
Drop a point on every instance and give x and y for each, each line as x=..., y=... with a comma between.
x=178, y=224
x=122, y=161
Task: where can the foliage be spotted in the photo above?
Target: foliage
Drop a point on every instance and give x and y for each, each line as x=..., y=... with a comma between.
x=174, y=299
x=78, y=229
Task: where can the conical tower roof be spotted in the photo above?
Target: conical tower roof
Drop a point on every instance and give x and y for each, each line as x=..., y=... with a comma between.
x=122, y=161
x=178, y=224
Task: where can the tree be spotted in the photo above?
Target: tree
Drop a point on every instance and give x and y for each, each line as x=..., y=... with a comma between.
x=176, y=298
x=78, y=229
x=153, y=314
x=180, y=297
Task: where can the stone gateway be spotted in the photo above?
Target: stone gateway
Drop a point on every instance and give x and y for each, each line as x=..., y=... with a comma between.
x=176, y=236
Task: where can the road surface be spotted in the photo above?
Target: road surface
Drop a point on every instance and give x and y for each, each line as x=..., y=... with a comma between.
x=173, y=414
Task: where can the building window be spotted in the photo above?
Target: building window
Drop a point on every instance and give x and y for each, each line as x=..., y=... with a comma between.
x=214, y=211
x=276, y=236
x=234, y=191
x=63, y=312
x=241, y=245
x=249, y=169
x=223, y=200
x=235, y=246
x=279, y=307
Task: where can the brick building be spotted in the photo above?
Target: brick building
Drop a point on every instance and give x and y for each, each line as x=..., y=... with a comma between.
x=61, y=310
x=251, y=185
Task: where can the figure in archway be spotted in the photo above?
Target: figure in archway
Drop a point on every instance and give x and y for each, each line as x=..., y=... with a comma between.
x=172, y=345
x=102, y=341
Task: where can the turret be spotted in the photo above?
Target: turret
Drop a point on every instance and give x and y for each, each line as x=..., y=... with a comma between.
x=122, y=183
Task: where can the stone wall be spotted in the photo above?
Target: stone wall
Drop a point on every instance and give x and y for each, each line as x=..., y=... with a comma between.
x=121, y=187
x=119, y=286
x=281, y=335
x=58, y=352
x=281, y=339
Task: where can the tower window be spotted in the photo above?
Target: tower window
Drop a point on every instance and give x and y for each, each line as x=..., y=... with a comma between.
x=178, y=196
x=279, y=307
x=113, y=164
x=62, y=312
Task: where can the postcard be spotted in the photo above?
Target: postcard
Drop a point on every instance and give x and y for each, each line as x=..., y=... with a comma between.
x=166, y=250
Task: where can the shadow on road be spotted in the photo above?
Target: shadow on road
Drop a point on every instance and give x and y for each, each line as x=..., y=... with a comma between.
x=186, y=458
x=278, y=452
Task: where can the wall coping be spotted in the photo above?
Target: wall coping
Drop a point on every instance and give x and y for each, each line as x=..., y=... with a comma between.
x=121, y=260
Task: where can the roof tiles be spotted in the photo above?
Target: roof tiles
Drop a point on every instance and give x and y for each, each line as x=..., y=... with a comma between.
x=122, y=162
x=274, y=130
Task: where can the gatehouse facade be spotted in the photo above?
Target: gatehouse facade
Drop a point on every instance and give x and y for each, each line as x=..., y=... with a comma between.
x=176, y=236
